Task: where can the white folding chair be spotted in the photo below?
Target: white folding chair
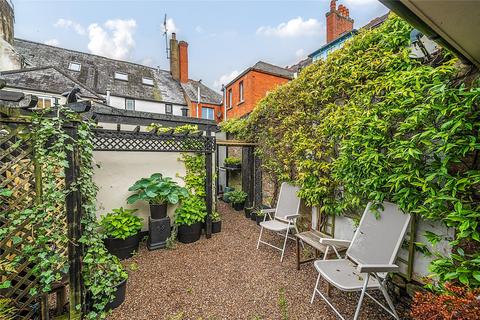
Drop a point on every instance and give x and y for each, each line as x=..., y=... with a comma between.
x=285, y=216
x=370, y=256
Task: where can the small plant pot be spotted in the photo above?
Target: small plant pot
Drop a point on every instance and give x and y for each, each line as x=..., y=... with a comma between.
x=216, y=226
x=158, y=211
x=123, y=248
x=189, y=234
x=253, y=216
x=248, y=212
x=238, y=206
x=260, y=219
x=119, y=296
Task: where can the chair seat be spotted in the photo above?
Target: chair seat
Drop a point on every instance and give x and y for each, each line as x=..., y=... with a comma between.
x=275, y=225
x=342, y=273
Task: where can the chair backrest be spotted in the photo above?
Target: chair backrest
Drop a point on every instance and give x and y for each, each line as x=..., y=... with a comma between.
x=379, y=235
x=288, y=202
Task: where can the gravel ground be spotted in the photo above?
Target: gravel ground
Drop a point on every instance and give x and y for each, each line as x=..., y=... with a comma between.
x=225, y=277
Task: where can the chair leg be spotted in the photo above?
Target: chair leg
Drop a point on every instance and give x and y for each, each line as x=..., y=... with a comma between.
x=389, y=300
x=260, y=237
x=284, y=244
x=315, y=289
x=362, y=295
x=298, y=253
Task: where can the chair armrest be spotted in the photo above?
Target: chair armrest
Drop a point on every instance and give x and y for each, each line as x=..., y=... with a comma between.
x=268, y=210
x=335, y=242
x=367, y=268
x=292, y=216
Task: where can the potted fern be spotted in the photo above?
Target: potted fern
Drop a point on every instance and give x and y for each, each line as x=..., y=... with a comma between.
x=122, y=229
x=158, y=191
x=189, y=217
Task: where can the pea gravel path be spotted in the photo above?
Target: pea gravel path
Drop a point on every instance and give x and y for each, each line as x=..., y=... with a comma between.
x=225, y=277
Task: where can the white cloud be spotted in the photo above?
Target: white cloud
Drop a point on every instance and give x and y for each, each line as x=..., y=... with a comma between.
x=52, y=42
x=69, y=24
x=293, y=28
x=171, y=27
x=199, y=29
x=224, y=79
x=113, y=40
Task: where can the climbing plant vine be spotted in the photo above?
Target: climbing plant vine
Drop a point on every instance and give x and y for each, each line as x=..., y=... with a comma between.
x=370, y=123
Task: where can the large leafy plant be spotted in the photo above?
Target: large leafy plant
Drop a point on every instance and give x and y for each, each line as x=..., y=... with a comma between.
x=157, y=190
x=121, y=223
x=237, y=196
x=192, y=210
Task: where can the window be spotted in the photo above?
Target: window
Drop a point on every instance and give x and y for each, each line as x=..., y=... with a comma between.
x=129, y=104
x=147, y=81
x=121, y=76
x=185, y=112
x=45, y=102
x=240, y=91
x=74, y=66
x=207, y=113
x=230, y=98
x=168, y=109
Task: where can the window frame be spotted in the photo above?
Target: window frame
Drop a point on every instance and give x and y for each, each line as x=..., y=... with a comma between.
x=184, y=112
x=118, y=76
x=166, y=108
x=72, y=63
x=230, y=98
x=147, y=79
x=43, y=99
x=212, y=110
x=240, y=91
x=128, y=99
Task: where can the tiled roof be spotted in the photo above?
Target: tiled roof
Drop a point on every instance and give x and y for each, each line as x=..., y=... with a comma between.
x=46, y=79
x=376, y=22
x=98, y=72
x=300, y=65
x=265, y=67
x=207, y=95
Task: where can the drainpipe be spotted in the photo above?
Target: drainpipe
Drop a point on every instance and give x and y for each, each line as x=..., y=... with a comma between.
x=198, y=97
x=224, y=102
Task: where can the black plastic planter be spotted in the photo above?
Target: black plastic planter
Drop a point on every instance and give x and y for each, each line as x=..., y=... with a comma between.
x=238, y=206
x=158, y=211
x=253, y=216
x=123, y=248
x=119, y=296
x=216, y=226
x=260, y=219
x=189, y=234
x=248, y=212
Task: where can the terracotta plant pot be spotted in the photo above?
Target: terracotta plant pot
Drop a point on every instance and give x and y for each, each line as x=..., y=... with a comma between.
x=189, y=234
x=123, y=248
x=158, y=211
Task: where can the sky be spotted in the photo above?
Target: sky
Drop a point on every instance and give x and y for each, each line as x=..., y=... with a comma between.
x=225, y=37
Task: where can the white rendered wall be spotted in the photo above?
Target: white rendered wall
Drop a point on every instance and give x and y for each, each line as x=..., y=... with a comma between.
x=146, y=106
x=118, y=171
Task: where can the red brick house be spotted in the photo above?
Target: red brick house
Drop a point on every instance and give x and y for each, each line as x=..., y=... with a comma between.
x=243, y=92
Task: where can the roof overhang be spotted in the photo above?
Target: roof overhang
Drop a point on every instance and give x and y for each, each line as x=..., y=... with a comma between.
x=452, y=23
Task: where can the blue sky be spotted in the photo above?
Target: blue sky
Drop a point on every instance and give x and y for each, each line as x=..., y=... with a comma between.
x=224, y=37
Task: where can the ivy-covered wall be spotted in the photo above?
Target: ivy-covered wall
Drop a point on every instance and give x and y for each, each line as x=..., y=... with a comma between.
x=372, y=124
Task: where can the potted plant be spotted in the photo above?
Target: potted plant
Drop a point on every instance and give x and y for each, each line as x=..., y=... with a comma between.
x=189, y=217
x=248, y=212
x=238, y=199
x=260, y=216
x=216, y=222
x=226, y=191
x=232, y=162
x=122, y=229
x=158, y=191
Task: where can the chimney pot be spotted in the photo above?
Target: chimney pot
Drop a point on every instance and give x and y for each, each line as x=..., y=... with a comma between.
x=333, y=5
x=338, y=21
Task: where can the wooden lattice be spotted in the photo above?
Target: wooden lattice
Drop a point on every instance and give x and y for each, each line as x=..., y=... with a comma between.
x=17, y=174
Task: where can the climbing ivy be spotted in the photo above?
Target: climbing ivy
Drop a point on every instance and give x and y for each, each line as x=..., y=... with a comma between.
x=370, y=123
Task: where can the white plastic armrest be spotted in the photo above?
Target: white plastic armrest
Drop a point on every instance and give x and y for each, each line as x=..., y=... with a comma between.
x=335, y=242
x=267, y=212
x=367, y=268
x=292, y=216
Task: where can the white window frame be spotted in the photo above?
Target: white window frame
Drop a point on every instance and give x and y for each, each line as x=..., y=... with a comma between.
x=230, y=98
x=240, y=90
x=147, y=81
x=45, y=98
x=72, y=66
x=121, y=76
x=211, y=112
x=167, y=105
x=126, y=104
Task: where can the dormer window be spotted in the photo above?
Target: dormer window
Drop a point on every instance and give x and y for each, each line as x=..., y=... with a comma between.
x=147, y=81
x=121, y=76
x=74, y=66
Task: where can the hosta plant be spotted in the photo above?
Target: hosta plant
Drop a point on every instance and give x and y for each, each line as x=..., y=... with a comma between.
x=121, y=223
x=192, y=210
x=237, y=196
x=157, y=190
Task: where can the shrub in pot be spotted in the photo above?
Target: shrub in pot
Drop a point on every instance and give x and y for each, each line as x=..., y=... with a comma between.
x=216, y=222
x=226, y=191
x=158, y=191
x=238, y=199
x=248, y=212
x=233, y=162
x=260, y=216
x=122, y=229
x=189, y=217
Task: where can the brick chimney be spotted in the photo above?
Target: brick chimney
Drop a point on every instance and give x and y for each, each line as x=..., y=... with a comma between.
x=338, y=21
x=183, y=61
x=174, y=62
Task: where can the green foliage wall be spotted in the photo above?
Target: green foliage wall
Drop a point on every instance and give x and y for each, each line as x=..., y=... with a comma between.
x=372, y=124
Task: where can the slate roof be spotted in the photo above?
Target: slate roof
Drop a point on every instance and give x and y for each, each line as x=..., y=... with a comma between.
x=98, y=72
x=300, y=65
x=207, y=95
x=268, y=68
x=376, y=22
x=46, y=79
